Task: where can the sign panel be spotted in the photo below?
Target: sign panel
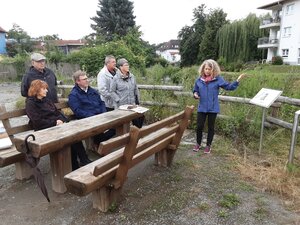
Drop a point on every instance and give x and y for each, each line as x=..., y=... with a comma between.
x=265, y=97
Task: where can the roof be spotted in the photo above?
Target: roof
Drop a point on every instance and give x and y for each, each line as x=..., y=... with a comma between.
x=2, y=30
x=69, y=42
x=172, y=44
x=271, y=5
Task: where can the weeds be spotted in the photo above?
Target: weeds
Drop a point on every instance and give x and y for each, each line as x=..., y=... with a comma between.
x=229, y=201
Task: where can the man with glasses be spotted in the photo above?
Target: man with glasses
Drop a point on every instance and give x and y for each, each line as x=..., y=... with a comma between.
x=39, y=71
x=85, y=101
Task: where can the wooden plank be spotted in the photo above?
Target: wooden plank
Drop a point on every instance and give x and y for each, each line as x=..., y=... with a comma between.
x=182, y=126
x=129, y=151
x=113, y=143
x=10, y=156
x=12, y=114
x=143, y=143
x=18, y=129
x=160, y=124
x=163, y=144
x=66, y=134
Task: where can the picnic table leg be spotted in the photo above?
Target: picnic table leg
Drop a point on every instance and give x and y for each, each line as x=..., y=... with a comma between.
x=161, y=158
x=60, y=162
x=23, y=170
x=104, y=197
x=123, y=129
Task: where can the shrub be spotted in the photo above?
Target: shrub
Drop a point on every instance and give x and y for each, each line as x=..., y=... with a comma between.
x=277, y=60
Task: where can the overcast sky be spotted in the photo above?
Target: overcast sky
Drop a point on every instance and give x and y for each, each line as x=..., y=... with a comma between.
x=160, y=20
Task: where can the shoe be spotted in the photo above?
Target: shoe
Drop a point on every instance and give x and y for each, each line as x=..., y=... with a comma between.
x=85, y=162
x=196, y=148
x=207, y=149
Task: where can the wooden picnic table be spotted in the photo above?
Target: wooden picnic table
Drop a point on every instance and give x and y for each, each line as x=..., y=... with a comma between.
x=56, y=141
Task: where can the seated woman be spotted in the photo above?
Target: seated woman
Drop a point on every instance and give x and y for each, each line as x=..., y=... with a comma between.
x=43, y=114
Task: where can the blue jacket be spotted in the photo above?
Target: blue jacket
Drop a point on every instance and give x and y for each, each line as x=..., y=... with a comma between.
x=208, y=93
x=85, y=104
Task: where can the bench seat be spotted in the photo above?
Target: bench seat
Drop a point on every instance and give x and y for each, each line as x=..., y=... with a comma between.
x=105, y=177
x=10, y=156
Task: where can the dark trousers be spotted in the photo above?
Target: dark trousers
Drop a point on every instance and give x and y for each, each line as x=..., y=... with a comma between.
x=78, y=152
x=201, y=118
x=138, y=122
x=104, y=136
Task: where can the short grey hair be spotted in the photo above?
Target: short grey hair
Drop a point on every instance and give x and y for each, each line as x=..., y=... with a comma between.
x=78, y=74
x=108, y=58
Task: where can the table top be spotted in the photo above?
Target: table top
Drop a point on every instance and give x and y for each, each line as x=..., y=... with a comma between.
x=57, y=137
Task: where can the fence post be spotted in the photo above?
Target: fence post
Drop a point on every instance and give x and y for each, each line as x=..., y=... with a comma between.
x=294, y=136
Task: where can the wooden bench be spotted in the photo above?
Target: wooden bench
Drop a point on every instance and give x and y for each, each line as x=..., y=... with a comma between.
x=105, y=177
x=16, y=122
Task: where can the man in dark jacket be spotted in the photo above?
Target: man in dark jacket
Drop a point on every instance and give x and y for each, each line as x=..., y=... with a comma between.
x=85, y=101
x=39, y=71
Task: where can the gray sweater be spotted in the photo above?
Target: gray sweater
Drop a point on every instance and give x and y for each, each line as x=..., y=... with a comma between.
x=124, y=91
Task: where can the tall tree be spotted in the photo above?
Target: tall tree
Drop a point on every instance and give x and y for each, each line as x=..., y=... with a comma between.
x=22, y=41
x=190, y=37
x=209, y=47
x=238, y=40
x=114, y=18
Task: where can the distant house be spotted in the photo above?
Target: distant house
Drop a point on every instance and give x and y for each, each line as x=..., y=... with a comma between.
x=169, y=51
x=284, y=27
x=68, y=46
x=2, y=41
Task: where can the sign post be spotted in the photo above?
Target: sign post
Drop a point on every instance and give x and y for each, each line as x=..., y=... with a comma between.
x=264, y=98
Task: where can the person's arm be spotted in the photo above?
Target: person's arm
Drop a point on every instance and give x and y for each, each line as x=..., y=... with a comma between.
x=227, y=85
x=34, y=114
x=113, y=91
x=196, y=93
x=102, y=85
x=102, y=105
x=76, y=107
x=240, y=77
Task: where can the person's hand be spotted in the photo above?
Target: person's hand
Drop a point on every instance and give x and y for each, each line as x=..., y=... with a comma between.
x=241, y=77
x=196, y=96
x=58, y=122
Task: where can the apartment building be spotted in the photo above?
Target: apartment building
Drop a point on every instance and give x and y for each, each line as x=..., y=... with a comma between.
x=284, y=31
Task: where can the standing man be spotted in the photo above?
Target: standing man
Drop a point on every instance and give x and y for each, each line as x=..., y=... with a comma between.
x=85, y=101
x=104, y=79
x=39, y=71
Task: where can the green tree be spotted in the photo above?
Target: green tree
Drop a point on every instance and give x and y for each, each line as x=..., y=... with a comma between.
x=114, y=18
x=238, y=41
x=191, y=37
x=208, y=48
x=22, y=44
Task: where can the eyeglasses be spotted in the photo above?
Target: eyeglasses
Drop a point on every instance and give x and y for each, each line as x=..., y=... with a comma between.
x=84, y=78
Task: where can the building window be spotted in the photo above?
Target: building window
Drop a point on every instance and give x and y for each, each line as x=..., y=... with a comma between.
x=285, y=52
x=289, y=9
x=287, y=31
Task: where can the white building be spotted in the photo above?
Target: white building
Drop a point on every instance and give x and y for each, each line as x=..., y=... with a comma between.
x=284, y=27
x=170, y=51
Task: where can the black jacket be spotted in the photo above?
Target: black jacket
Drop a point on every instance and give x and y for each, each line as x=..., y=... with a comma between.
x=42, y=113
x=48, y=76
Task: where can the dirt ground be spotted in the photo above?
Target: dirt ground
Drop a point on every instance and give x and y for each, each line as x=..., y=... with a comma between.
x=197, y=189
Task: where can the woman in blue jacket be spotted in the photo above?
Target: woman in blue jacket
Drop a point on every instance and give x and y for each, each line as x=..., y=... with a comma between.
x=206, y=89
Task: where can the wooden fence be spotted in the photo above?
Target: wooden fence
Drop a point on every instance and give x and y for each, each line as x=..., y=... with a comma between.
x=178, y=91
x=270, y=120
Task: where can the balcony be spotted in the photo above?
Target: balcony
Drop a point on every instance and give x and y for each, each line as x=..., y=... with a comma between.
x=266, y=42
x=271, y=22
